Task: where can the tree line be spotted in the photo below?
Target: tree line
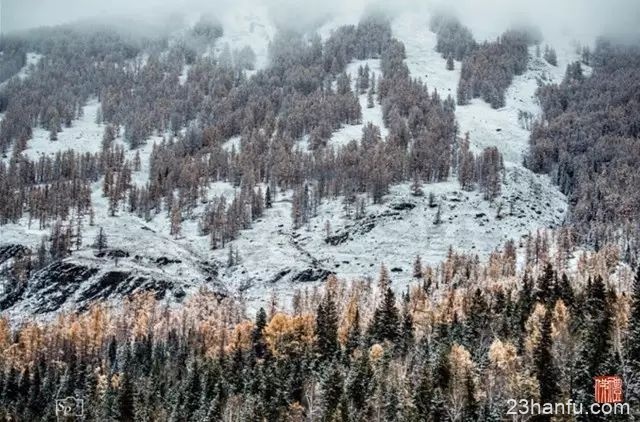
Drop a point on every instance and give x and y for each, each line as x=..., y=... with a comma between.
x=455, y=345
x=587, y=141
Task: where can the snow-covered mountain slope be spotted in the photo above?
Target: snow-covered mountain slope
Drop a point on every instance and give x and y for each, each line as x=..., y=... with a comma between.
x=369, y=115
x=247, y=25
x=486, y=126
x=273, y=257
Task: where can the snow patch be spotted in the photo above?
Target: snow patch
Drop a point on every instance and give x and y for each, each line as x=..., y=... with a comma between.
x=83, y=136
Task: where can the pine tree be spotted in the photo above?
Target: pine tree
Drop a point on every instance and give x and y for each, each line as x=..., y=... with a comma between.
x=360, y=383
x=125, y=395
x=438, y=218
x=550, y=56
x=565, y=292
x=327, y=327
x=42, y=254
x=332, y=388
x=471, y=404
x=176, y=220
x=417, y=267
x=450, y=64
x=546, y=371
x=633, y=339
x=353, y=336
x=267, y=198
x=384, y=281
x=416, y=186
x=475, y=329
x=78, y=233
x=423, y=395
x=259, y=345
x=230, y=257
x=406, y=339
x=390, y=403
x=525, y=302
x=100, y=242
x=386, y=322
x=596, y=356
x=137, y=164
x=545, y=289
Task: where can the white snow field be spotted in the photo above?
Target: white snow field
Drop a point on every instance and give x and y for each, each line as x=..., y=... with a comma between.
x=247, y=24
x=271, y=252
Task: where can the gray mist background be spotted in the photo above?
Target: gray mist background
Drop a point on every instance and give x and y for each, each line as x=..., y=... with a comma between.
x=579, y=18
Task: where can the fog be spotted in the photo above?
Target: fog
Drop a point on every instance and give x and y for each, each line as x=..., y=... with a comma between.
x=581, y=19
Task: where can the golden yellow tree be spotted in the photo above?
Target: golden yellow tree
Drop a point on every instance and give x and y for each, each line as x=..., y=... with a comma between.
x=289, y=335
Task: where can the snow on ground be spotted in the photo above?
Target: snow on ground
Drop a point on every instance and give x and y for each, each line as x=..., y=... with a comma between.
x=346, y=17
x=32, y=62
x=184, y=74
x=528, y=202
x=369, y=115
x=469, y=224
x=29, y=66
x=392, y=232
x=232, y=143
x=84, y=135
x=188, y=255
x=486, y=126
x=247, y=25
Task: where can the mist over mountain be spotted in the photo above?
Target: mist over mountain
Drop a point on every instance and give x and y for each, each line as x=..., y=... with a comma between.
x=487, y=19
x=279, y=210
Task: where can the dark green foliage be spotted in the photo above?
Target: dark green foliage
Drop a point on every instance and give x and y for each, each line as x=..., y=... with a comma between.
x=545, y=289
x=386, y=321
x=589, y=144
x=327, y=327
x=489, y=70
x=173, y=377
x=546, y=371
x=257, y=338
x=454, y=39
x=633, y=341
x=332, y=387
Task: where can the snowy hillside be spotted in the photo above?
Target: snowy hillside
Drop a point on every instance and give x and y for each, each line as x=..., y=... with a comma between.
x=274, y=257
x=247, y=26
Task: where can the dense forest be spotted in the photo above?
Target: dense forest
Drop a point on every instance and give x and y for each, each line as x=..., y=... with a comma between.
x=462, y=339
x=588, y=142
x=488, y=71
x=454, y=345
x=305, y=91
x=487, y=68
x=587, y=137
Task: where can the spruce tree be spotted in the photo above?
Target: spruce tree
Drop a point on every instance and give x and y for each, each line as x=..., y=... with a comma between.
x=332, y=392
x=267, y=198
x=360, y=383
x=633, y=339
x=353, y=336
x=327, y=327
x=450, y=64
x=386, y=322
x=100, y=242
x=471, y=405
x=417, y=267
x=257, y=338
x=545, y=288
x=596, y=356
x=546, y=372
x=423, y=395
